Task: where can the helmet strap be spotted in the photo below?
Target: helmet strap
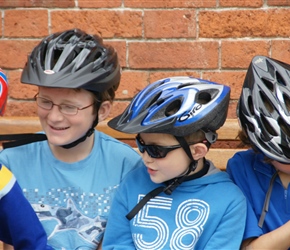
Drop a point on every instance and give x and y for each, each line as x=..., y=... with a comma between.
x=267, y=200
x=183, y=143
x=173, y=184
x=83, y=138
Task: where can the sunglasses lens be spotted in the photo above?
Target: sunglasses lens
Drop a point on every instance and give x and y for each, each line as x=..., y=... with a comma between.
x=140, y=146
x=156, y=151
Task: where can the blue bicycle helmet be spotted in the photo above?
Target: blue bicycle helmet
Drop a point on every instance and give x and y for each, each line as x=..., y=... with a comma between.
x=176, y=105
x=264, y=107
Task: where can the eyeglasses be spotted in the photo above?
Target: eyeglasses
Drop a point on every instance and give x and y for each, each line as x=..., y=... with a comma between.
x=63, y=108
x=154, y=151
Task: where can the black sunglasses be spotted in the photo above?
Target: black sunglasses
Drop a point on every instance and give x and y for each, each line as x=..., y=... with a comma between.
x=154, y=151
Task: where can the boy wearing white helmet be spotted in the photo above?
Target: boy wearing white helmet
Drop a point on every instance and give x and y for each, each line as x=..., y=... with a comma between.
x=263, y=172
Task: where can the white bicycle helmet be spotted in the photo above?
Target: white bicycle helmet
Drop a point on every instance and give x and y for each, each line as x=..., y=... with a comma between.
x=264, y=107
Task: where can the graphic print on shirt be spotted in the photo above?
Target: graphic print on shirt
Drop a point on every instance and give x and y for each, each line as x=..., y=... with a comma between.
x=190, y=217
x=73, y=212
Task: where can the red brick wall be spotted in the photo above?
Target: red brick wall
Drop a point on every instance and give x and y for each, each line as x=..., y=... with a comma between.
x=210, y=39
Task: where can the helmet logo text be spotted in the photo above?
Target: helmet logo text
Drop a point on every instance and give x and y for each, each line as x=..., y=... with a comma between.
x=184, y=117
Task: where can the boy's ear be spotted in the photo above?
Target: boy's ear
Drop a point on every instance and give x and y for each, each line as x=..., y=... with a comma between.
x=198, y=150
x=104, y=110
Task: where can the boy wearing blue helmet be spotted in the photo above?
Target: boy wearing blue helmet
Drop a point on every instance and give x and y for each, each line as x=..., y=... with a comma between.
x=178, y=199
x=19, y=225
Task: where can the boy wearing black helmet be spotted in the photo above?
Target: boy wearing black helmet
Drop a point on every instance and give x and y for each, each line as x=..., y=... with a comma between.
x=178, y=199
x=263, y=172
x=19, y=225
x=71, y=177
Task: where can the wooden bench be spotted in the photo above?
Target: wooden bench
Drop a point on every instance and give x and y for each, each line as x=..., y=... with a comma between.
x=226, y=145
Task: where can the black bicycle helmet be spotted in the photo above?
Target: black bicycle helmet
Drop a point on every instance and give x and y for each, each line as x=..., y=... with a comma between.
x=73, y=59
x=178, y=105
x=264, y=107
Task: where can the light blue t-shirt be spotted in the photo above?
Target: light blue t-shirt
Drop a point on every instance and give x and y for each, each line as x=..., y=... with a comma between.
x=72, y=200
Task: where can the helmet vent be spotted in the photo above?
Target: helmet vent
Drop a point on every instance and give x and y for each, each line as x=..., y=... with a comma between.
x=267, y=103
x=287, y=102
x=268, y=84
x=155, y=100
x=203, y=98
x=280, y=79
x=286, y=151
x=250, y=105
x=173, y=108
x=263, y=144
x=251, y=127
x=268, y=126
x=56, y=56
x=185, y=85
x=271, y=68
x=284, y=127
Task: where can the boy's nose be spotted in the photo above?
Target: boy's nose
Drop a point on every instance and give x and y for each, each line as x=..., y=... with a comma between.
x=55, y=113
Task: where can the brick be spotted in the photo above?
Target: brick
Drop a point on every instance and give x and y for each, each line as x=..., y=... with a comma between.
x=118, y=108
x=241, y=3
x=26, y=23
x=233, y=79
x=244, y=23
x=20, y=108
x=14, y=53
x=169, y=23
x=169, y=3
x=155, y=76
x=37, y=3
x=107, y=23
x=278, y=3
x=232, y=113
x=99, y=3
x=131, y=83
x=1, y=15
x=281, y=50
x=187, y=55
x=238, y=54
x=18, y=90
x=120, y=47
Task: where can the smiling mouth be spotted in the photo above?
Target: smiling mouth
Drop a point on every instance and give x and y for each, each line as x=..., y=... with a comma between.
x=55, y=128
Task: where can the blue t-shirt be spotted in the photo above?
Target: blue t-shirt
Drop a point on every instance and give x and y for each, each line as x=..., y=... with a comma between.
x=204, y=213
x=19, y=225
x=253, y=175
x=72, y=200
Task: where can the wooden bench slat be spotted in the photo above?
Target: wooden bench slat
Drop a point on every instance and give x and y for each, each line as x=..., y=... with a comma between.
x=220, y=156
x=15, y=125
